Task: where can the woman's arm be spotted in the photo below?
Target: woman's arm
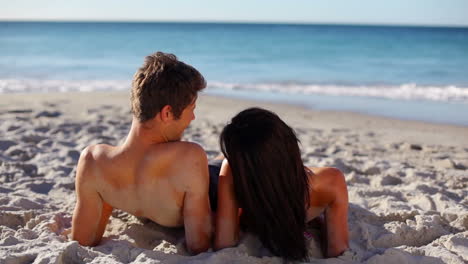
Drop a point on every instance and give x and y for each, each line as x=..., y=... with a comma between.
x=227, y=217
x=336, y=217
x=329, y=190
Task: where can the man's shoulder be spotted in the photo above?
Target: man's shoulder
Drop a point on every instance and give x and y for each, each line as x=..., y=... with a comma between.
x=93, y=155
x=185, y=161
x=96, y=152
x=180, y=151
x=87, y=163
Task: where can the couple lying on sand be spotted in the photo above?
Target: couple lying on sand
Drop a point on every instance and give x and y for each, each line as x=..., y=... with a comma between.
x=261, y=186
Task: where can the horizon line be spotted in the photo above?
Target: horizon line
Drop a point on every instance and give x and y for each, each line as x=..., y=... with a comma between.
x=233, y=22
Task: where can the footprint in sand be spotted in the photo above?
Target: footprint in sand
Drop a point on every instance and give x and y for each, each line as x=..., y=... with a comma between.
x=35, y=139
x=23, y=168
x=390, y=180
x=97, y=129
x=12, y=128
x=6, y=144
x=49, y=114
x=17, y=153
x=74, y=155
x=20, y=111
x=42, y=129
x=43, y=188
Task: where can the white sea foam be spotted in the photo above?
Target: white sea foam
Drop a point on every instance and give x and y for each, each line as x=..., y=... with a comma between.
x=410, y=91
x=41, y=86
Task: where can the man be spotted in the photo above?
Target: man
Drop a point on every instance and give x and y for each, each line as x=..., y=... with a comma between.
x=152, y=174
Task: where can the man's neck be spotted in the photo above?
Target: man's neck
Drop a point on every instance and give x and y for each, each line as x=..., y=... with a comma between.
x=143, y=135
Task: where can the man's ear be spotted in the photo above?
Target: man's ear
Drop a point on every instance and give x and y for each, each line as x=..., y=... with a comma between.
x=166, y=113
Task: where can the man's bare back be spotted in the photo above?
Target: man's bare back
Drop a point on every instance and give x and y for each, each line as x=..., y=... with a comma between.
x=153, y=174
x=150, y=183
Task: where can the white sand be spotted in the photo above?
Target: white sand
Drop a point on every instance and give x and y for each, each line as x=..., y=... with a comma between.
x=407, y=182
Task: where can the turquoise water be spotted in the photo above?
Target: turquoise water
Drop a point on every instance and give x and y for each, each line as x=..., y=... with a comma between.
x=419, y=67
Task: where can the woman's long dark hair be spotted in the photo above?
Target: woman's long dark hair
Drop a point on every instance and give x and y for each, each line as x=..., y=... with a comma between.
x=270, y=183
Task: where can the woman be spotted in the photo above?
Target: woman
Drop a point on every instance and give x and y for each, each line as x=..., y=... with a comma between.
x=264, y=186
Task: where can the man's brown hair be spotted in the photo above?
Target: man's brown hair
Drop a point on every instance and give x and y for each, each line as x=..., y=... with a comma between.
x=164, y=80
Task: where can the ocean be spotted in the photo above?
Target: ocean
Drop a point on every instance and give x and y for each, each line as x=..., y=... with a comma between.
x=405, y=72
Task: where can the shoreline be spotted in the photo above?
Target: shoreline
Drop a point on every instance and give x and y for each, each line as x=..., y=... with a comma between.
x=436, y=105
x=425, y=111
x=393, y=129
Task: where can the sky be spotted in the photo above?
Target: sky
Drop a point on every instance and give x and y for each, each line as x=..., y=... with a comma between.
x=403, y=12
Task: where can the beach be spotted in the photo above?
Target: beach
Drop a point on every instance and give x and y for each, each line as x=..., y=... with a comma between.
x=407, y=182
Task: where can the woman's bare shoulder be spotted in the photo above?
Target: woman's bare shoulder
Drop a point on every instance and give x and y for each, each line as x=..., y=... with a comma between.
x=324, y=175
x=326, y=183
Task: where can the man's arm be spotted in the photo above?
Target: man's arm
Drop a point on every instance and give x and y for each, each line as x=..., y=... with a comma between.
x=227, y=217
x=91, y=212
x=196, y=210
